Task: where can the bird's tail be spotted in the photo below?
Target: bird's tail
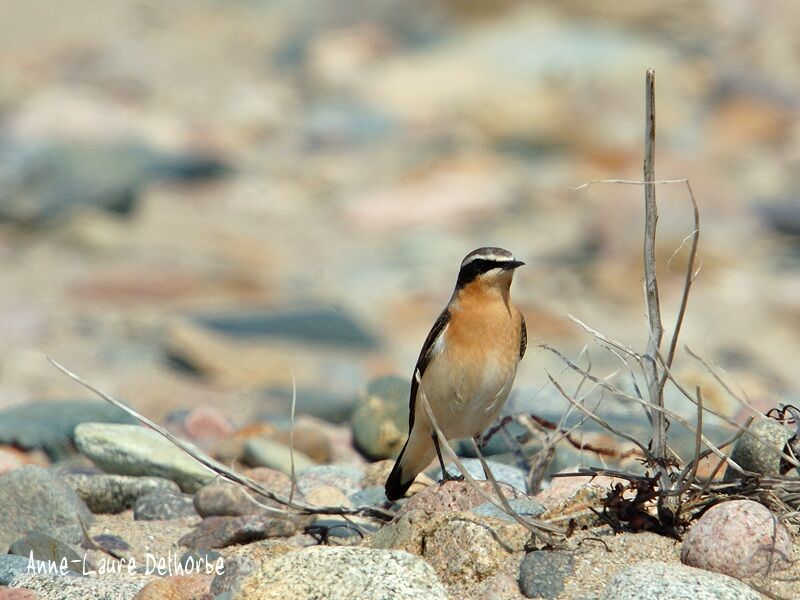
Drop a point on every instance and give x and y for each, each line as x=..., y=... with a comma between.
x=417, y=454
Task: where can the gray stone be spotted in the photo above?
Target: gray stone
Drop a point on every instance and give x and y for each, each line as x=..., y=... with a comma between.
x=263, y=452
x=193, y=557
x=502, y=473
x=760, y=455
x=12, y=567
x=32, y=499
x=346, y=479
x=542, y=573
x=163, y=506
x=315, y=325
x=133, y=450
x=111, y=494
x=380, y=420
x=43, y=182
x=79, y=588
x=374, y=495
x=43, y=547
x=524, y=506
x=651, y=580
x=219, y=532
x=237, y=570
x=50, y=425
x=342, y=573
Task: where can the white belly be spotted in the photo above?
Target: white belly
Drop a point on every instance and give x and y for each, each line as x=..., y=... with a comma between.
x=465, y=401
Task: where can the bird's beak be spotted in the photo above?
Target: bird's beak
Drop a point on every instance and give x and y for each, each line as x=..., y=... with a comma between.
x=513, y=264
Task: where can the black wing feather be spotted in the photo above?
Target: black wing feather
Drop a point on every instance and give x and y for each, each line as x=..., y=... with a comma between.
x=425, y=359
x=523, y=339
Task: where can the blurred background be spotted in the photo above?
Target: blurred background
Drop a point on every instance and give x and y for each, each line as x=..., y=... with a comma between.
x=200, y=199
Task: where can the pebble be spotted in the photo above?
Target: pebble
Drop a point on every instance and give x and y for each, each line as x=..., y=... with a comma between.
x=651, y=580
x=45, y=548
x=206, y=423
x=503, y=473
x=313, y=325
x=33, y=499
x=526, y=507
x=542, y=573
x=163, y=506
x=111, y=494
x=78, y=588
x=347, y=479
x=380, y=419
x=760, y=452
x=50, y=425
x=11, y=567
x=739, y=538
x=219, y=532
x=264, y=452
x=342, y=573
x=453, y=496
x=176, y=587
x=232, y=500
x=133, y=450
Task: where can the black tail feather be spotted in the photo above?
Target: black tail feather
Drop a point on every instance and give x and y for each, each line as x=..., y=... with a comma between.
x=395, y=488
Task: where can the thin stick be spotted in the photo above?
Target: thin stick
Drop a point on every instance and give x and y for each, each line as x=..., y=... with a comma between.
x=656, y=329
x=690, y=274
x=291, y=439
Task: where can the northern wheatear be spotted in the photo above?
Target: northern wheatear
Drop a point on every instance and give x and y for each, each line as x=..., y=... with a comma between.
x=467, y=364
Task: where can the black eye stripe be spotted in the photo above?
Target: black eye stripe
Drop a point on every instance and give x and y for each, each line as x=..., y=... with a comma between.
x=476, y=267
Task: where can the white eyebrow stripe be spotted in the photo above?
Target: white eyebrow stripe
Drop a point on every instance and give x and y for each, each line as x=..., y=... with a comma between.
x=490, y=257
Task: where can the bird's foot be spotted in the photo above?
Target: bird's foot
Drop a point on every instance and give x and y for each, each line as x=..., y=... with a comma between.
x=446, y=476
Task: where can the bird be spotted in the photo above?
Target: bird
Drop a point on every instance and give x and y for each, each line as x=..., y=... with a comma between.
x=467, y=365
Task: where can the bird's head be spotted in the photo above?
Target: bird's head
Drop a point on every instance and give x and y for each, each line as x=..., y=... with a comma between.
x=488, y=266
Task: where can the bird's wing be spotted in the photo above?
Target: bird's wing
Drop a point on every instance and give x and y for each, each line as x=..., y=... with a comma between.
x=523, y=339
x=429, y=349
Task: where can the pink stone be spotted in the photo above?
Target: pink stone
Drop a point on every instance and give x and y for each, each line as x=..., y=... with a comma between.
x=739, y=538
x=205, y=423
x=454, y=496
x=17, y=594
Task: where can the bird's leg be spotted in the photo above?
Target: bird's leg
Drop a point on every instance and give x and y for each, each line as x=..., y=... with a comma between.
x=445, y=473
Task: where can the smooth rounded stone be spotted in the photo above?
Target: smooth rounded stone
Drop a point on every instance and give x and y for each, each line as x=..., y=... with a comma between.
x=502, y=473
x=44, y=548
x=374, y=495
x=326, y=527
x=33, y=499
x=762, y=455
x=133, y=450
x=327, y=495
x=454, y=495
x=314, y=325
x=739, y=538
x=309, y=440
x=18, y=594
x=380, y=419
x=345, y=478
x=651, y=580
x=342, y=573
x=200, y=556
x=206, y=423
x=526, y=507
x=12, y=458
x=78, y=588
x=50, y=425
x=111, y=494
x=219, y=532
x=496, y=444
x=264, y=452
x=226, y=499
x=542, y=573
x=237, y=570
x=163, y=506
x=11, y=567
x=176, y=587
